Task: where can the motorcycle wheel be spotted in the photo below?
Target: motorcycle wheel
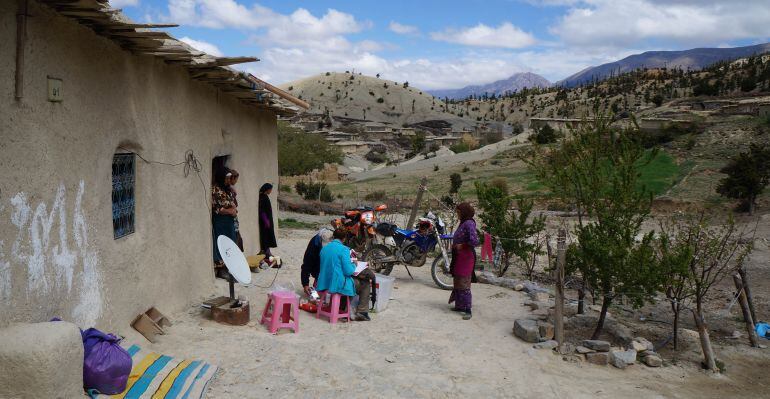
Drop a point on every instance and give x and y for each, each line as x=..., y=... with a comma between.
x=378, y=252
x=441, y=275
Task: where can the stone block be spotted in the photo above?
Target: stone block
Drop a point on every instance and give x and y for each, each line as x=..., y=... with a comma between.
x=622, y=359
x=583, y=350
x=527, y=330
x=600, y=358
x=597, y=345
x=42, y=360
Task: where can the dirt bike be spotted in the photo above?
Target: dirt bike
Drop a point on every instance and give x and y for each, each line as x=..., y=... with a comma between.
x=359, y=223
x=411, y=248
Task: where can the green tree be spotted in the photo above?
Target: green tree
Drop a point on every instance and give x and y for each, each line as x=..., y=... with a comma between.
x=597, y=171
x=300, y=153
x=455, y=181
x=747, y=176
x=418, y=143
x=697, y=256
x=513, y=227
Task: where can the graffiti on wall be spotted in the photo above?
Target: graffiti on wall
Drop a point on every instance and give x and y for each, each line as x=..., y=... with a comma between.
x=52, y=252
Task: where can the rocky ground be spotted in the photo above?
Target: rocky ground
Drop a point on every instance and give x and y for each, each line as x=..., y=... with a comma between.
x=419, y=348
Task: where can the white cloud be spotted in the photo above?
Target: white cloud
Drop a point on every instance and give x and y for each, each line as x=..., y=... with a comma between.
x=622, y=23
x=402, y=29
x=206, y=47
x=506, y=35
x=124, y=3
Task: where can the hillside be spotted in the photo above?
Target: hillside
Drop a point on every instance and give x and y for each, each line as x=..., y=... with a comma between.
x=513, y=84
x=692, y=59
x=363, y=97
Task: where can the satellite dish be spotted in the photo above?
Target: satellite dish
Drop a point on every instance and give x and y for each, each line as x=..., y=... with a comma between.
x=234, y=260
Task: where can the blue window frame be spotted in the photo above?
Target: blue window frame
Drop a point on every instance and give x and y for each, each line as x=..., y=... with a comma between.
x=123, y=183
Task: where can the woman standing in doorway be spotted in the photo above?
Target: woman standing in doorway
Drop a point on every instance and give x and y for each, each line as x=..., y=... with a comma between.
x=223, y=212
x=266, y=228
x=464, y=241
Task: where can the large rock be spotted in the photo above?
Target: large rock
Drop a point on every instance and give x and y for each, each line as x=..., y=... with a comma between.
x=643, y=344
x=600, y=358
x=527, y=330
x=623, y=359
x=652, y=359
x=43, y=360
x=583, y=350
x=597, y=345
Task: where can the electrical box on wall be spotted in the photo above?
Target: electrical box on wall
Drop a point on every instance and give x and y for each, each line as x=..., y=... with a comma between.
x=54, y=90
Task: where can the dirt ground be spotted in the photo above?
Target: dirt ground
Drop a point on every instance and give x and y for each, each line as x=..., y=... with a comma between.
x=419, y=348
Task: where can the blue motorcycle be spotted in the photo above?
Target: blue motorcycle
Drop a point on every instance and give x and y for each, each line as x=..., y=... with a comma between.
x=411, y=248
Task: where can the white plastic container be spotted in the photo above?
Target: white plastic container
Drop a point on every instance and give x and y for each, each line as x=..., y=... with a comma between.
x=384, y=291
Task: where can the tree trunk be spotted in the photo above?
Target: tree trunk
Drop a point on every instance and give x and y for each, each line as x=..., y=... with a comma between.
x=705, y=342
x=675, y=309
x=603, y=315
x=581, y=301
x=752, y=204
x=747, y=290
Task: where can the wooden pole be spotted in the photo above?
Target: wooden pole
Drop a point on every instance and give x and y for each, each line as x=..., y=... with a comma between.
x=559, y=311
x=21, y=38
x=747, y=290
x=746, y=313
x=417, y=200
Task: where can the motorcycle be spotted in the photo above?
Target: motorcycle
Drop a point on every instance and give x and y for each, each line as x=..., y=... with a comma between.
x=359, y=223
x=411, y=248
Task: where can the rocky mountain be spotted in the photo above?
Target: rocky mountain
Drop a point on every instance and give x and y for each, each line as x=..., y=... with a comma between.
x=693, y=59
x=362, y=97
x=514, y=83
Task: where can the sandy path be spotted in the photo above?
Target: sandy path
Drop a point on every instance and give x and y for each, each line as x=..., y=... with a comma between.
x=416, y=348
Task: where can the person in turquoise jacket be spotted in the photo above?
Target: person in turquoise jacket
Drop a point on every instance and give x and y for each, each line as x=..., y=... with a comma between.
x=336, y=275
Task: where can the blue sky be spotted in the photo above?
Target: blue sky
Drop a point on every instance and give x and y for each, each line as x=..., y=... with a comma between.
x=452, y=43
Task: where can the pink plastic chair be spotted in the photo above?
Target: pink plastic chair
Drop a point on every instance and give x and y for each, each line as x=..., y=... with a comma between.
x=486, y=249
x=332, y=311
x=278, y=311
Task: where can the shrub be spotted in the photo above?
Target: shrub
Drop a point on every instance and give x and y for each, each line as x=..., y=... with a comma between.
x=459, y=147
x=376, y=157
x=434, y=147
x=435, y=168
x=380, y=100
x=466, y=169
x=500, y=184
x=314, y=191
x=378, y=195
x=284, y=188
x=544, y=135
x=455, y=182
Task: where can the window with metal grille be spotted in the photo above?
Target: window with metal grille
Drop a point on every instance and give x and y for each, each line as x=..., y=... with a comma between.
x=123, y=181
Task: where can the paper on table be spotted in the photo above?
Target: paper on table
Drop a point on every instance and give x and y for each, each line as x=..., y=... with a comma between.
x=360, y=266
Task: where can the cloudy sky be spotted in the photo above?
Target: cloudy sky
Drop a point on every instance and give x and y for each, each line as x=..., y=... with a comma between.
x=437, y=44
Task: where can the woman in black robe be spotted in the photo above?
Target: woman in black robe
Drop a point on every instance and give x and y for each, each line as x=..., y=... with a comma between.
x=266, y=228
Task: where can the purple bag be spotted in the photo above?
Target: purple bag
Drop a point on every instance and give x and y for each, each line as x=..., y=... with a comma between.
x=106, y=366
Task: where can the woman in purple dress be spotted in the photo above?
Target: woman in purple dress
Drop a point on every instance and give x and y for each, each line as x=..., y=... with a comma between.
x=464, y=241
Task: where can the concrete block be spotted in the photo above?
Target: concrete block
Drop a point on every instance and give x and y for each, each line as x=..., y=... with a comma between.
x=42, y=360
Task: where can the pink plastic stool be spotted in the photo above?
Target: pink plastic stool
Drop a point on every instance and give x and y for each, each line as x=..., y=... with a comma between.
x=486, y=249
x=333, y=310
x=278, y=311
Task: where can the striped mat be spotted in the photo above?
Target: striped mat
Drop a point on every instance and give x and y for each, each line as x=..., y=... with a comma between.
x=158, y=376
